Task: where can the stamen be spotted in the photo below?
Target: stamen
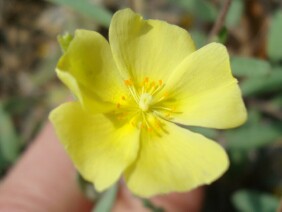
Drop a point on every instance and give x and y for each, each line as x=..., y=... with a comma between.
x=146, y=80
x=155, y=124
x=163, y=97
x=151, y=87
x=153, y=84
x=159, y=88
x=166, y=115
x=145, y=120
x=128, y=82
x=146, y=124
x=120, y=117
x=135, y=119
x=149, y=109
x=132, y=90
x=164, y=108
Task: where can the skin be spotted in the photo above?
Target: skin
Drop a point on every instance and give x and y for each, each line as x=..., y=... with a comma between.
x=44, y=179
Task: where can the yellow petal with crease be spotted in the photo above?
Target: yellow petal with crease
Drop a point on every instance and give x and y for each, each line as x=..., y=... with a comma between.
x=100, y=147
x=147, y=48
x=88, y=100
x=179, y=160
x=205, y=92
x=88, y=65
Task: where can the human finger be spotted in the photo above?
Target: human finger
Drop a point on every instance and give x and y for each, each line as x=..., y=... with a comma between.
x=44, y=179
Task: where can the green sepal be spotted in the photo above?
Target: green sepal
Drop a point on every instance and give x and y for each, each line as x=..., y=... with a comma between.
x=64, y=41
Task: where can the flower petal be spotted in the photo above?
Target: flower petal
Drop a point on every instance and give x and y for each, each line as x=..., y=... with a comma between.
x=88, y=65
x=205, y=91
x=88, y=99
x=100, y=147
x=148, y=48
x=179, y=160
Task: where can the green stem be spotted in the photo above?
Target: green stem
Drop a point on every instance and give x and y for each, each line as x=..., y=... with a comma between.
x=150, y=205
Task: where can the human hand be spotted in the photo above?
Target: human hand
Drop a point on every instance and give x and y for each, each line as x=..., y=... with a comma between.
x=44, y=179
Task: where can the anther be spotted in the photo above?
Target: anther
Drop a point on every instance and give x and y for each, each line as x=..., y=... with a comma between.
x=128, y=82
x=146, y=79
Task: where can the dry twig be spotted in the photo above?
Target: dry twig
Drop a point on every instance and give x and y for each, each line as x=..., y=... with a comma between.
x=220, y=19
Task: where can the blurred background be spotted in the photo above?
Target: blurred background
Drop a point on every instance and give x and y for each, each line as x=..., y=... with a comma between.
x=252, y=32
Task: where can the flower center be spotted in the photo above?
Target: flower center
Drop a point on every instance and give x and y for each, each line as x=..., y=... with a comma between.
x=145, y=101
x=147, y=106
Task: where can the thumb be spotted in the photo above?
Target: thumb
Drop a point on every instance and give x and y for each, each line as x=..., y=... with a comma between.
x=43, y=180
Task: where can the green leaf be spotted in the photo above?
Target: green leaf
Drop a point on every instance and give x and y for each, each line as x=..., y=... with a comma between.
x=257, y=86
x=253, y=134
x=254, y=201
x=87, y=188
x=107, y=200
x=85, y=7
x=9, y=141
x=274, y=45
x=249, y=67
x=238, y=159
x=205, y=10
x=234, y=13
x=150, y=205
x=222, y=35
x=18, y=105
x=4, y=165
x=202, y=9
x=277, y=102
x=211, y=133
x=199, y=38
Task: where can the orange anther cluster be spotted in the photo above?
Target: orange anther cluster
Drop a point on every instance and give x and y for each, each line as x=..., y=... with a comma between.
x=150, y=105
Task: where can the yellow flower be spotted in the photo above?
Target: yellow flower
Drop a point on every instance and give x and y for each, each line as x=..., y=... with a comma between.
x=132, y=93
